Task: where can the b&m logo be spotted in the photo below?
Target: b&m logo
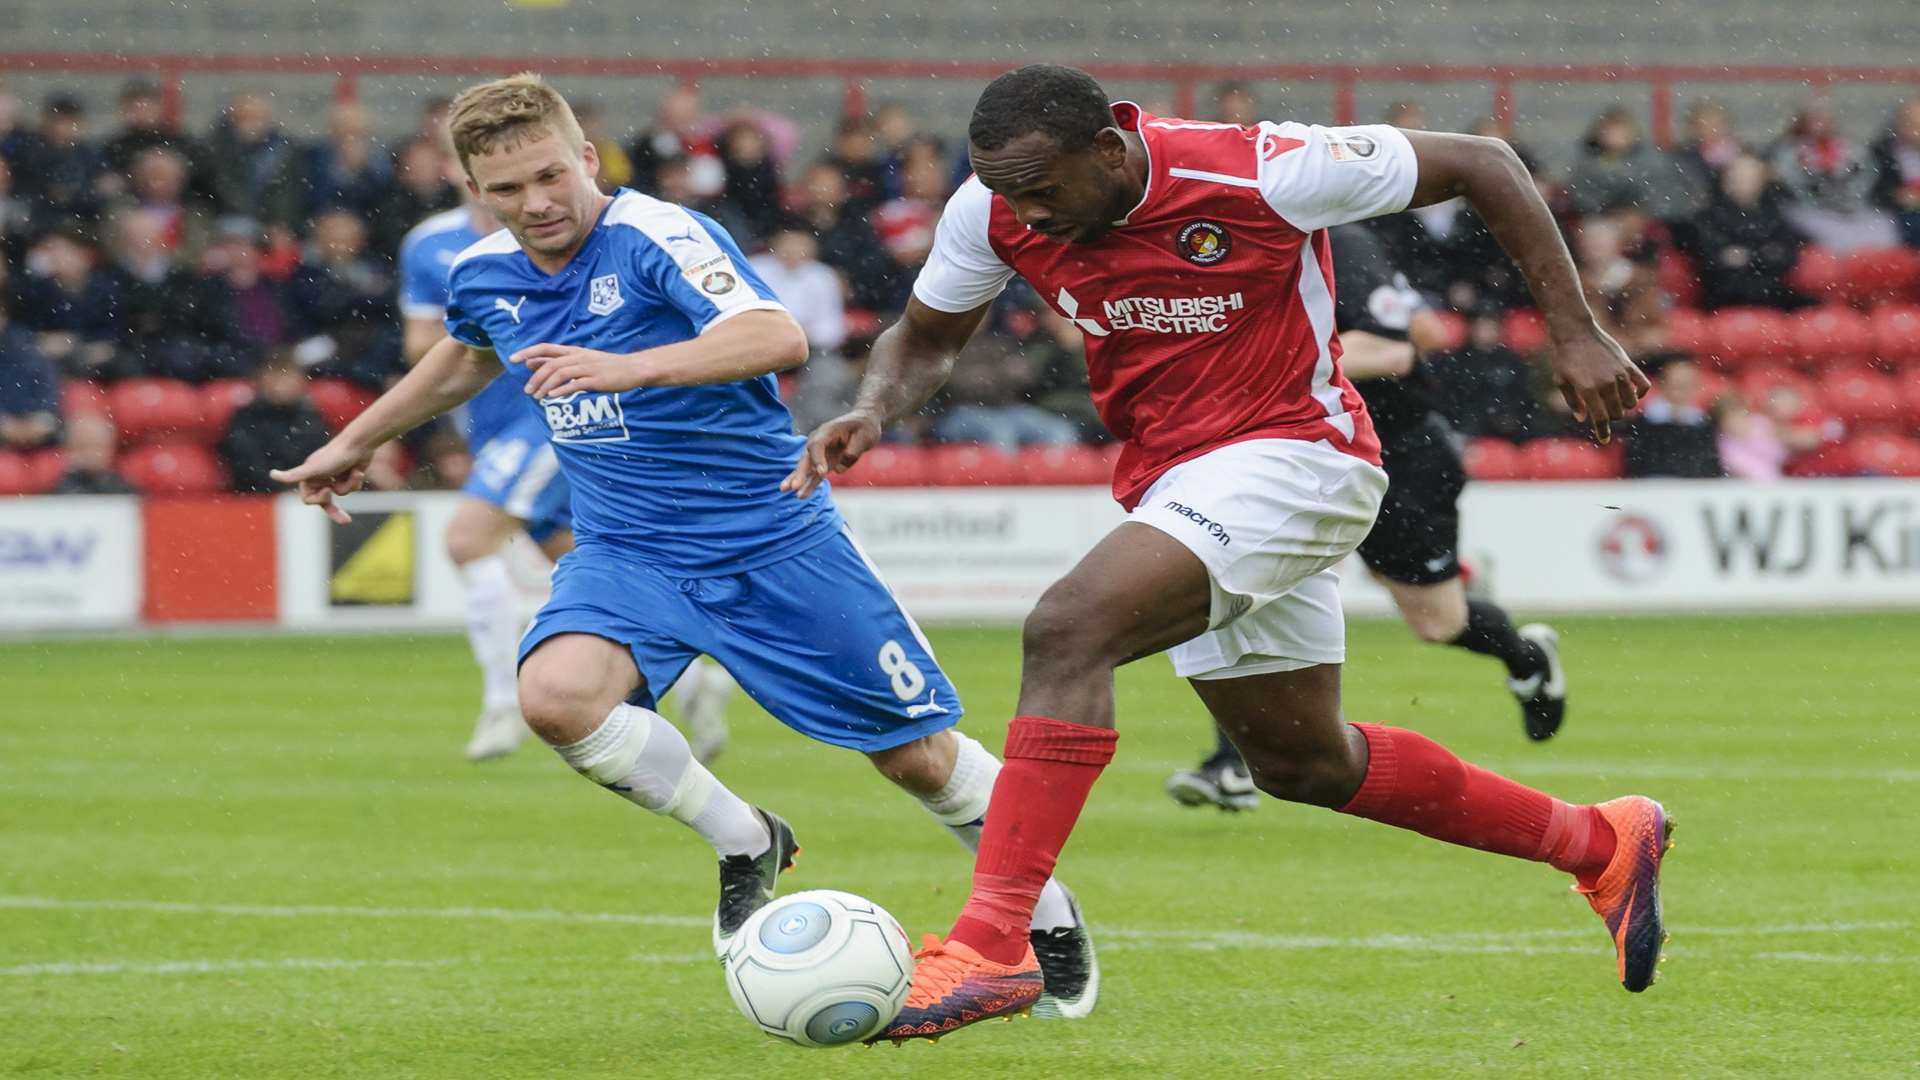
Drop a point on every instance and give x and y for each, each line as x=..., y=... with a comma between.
x=586, y=416
x=21, y=549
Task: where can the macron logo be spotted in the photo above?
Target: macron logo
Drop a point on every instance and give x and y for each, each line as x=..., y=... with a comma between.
x=500, y=304
x=1213, y=528
x=1071, y=309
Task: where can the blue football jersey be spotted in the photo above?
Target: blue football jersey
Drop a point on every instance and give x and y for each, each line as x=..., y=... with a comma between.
x=687, y=478
x=426, y=255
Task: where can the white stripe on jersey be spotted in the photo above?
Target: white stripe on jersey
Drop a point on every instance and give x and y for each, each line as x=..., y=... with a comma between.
x=498, y=243
x=540, y=469
x=1218, y=178
x=705, y=265
x=1317, y=297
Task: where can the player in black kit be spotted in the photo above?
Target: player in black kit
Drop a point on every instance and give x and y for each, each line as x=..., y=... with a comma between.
x=1413, y=547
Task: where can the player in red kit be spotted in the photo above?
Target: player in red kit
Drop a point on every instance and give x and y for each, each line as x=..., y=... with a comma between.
x=1194, y=258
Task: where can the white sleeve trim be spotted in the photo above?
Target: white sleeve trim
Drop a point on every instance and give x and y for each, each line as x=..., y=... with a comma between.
x=757, y=304
x=1316, y=177
x=963, y=272
x=422, y=311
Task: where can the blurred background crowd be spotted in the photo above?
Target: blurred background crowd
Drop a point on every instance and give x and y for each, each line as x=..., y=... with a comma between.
x=181, y=310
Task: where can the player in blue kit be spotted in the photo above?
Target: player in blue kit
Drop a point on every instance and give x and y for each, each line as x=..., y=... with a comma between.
x=515, y=485
x=648, y=346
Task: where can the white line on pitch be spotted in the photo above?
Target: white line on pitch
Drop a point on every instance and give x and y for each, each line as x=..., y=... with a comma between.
x=299, y=911
x=205, y=967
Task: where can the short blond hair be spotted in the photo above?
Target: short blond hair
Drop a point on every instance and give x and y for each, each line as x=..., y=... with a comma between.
x=507, y=112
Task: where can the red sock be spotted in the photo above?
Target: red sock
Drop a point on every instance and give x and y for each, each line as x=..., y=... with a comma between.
x=1050, y=767
x=1417, y=784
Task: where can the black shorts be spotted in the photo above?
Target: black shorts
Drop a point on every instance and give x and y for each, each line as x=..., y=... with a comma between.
x=1416, y=538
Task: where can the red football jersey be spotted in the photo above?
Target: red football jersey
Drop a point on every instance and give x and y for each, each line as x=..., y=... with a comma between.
x=1208, y=309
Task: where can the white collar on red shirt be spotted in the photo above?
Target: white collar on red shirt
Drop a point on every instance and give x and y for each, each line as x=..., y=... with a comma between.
x=1131, y=117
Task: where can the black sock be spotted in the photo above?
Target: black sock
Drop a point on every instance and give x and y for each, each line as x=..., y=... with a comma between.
x=1224, y=750
x=1490, y=631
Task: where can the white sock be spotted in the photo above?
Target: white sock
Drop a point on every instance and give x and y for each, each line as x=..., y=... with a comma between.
x=636, y=754
x=493, y=628
x=961, y=805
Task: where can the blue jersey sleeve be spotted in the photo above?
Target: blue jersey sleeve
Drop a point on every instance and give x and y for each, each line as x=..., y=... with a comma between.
x=423, y=280
x=697, y=267
x=463, y=323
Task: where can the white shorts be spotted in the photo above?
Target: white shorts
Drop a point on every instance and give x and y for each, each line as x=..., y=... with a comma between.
x=1270, y=518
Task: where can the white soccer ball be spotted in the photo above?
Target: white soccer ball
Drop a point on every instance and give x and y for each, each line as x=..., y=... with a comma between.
x=820, y=968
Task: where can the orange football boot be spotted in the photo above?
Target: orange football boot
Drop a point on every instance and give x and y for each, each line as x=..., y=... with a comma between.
x=1626, y=895
x=954, y=986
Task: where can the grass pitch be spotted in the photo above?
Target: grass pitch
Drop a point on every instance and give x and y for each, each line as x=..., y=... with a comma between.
x=265, y=858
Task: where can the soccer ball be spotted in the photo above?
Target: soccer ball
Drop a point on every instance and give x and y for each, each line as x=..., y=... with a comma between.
x=820, y=968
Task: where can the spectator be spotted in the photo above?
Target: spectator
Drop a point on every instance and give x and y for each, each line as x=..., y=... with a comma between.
x=342, y=303
x=856, y=150
x=1485, y=388
x=905, y=225
x=1234, y=103
x=1827, y=176
x=986, y=400
x=29, y=390
x=1896, y=179
x=1617, y=168
x=344, y=171
x=252, y=163
x=172, y=322
x=808, y=287
x=71, y=302
x=848, y=242
x=675, y=136
x=16, y=217
x=56, y=166
x=1057, y=352
x=616, y=168
x=1617, y=272
x=387, y=469
x=158, y=190
x=753, y=181
x=1709, y=148
x=1672, y=435
x=254, y=305
x=1749, y=447
x=1811, y=436
x=1742, y=245
x=143, y=127
x=894, y=127
x=13, y=137
x=89, y=448
x=426, y=181
x=278, y=428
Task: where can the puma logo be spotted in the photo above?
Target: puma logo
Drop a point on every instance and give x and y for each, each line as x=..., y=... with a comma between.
x=500, y=304
x=928, y=707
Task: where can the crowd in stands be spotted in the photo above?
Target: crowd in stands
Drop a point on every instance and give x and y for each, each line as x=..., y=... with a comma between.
x=183, y=310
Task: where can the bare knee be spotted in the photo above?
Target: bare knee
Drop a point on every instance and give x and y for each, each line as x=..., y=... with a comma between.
x=477, y=530
x=922, y=766
x=569, y=685
x=1321, y=772
x=1435, y=627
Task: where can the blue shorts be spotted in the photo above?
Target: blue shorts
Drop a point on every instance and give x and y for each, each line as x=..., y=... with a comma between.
x=515, y=469
x=815, y=638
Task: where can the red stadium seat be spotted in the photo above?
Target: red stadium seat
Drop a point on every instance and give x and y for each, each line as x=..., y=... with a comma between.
x=1713, y=387
x=1860, y=396
x=45, y=469
x=887, y=465
x=177, y=468
x=1494, y=459
x=1832, y=335
x=15, y=479
x=1525, y=331
x=1569, y=459
x=1688, y=331
x=1873, y=277
x=1453, y=330
x=1886, y=454
x=154, y=410
x=1678, y=278
x=1910, y=397
x=219, y=400
x=965, y=464
x=1076, y=466
x=79, y=397
x=1742, y=337
x=1817, y=274
x=1756, y=381
x=1896, y=333
x=339, y=401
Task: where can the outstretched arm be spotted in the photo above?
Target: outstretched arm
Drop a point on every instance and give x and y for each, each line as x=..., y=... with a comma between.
x=910, y=360
x=745, y=346
x=1595, y=376
x=447, y=375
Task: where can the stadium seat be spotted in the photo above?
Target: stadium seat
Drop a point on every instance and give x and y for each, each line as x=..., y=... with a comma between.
x=966, y=464
x=1494, y=459
x=45, y=468
x=14, y=476
x=154, y=410
x=339, y=401
x=1873, y=277
x=1896, y=333
x=177, y=468
x=1525, y=331
x=1832, y=335
x=1742, y=337
x=1816, y=274
x=1756, y=381
x=1678, y=278
x=1688, y=332
x=1886, y=454
x=887, y=465
x=1568, y=459
x=219, y=400
x=1862, y=397
x=1453, y=330
x=79, y=397
x=1077, y=466
x=1909, y=382
x=1713, y=387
